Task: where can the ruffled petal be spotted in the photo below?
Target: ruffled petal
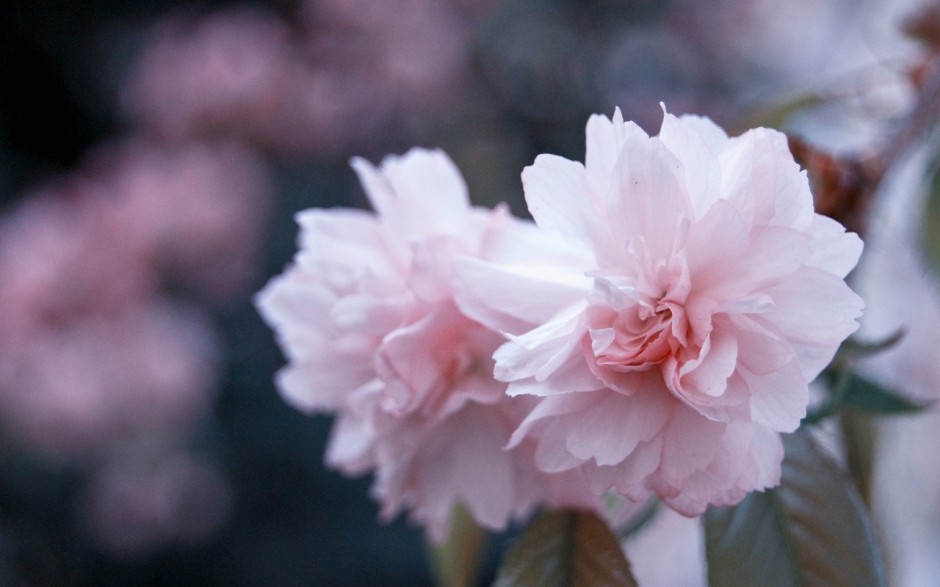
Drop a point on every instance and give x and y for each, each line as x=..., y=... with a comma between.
x=604, y=139
x=814, y=330
x=763, y=182
x=834, y=249
x=609, y=429
x=406, y=191
x=778, y=400
x=647, y=199
x=695, y=147
x=560, y=200
x=541, y=351
x=505, y=297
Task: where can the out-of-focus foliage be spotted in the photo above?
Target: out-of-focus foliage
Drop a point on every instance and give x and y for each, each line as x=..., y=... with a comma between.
x=931, y=226
x=566, y=549
x=456, y=561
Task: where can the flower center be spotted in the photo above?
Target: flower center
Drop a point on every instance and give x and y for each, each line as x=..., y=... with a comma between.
x=633, y=336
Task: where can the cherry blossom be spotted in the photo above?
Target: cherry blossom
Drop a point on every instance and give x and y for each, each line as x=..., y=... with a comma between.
x=368, y=319
x=710, y=294
x=96, y=353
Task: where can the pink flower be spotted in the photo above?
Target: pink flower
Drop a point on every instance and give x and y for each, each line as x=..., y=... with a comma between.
x=229, y=74
x=368, y=319
x=708, y=296
x=195, y=213
x=94, y=353
x=77, y=388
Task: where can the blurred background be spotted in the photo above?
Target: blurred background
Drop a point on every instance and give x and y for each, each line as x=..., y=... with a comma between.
x=153, y=153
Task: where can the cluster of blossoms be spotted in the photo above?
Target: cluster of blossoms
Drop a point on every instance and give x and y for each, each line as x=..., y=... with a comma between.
x=370, y=318
x=103, y=367
x=343, y=73
x=651, y=333
x=95, y=352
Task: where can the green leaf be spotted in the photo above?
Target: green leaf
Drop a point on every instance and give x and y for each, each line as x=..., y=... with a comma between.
x=863, y=394
x=456, y=561
x=931, y=218
x=566, y=549
x=849, y=390
x=859, y=437
x=853, y=348
x=811, y=530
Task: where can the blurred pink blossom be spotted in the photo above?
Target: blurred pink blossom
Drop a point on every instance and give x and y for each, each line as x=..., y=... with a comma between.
x=134, y=506
x=72, y=389
x=411, y=49
x=378, y=67
x=94, y=353
x=230, y=74
x=63, y=253
x=711, y=295
x=196, y=212
x=367, y=318
x=349, y=73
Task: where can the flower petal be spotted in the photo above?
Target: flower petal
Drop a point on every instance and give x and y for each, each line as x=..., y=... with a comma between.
x=699, y=159
x=647, y=198
x=609, y=429
x=834, y=249
x=408, y=190
x=763, y=182
x=560, y=200
x=814, y=330
x=501, y=296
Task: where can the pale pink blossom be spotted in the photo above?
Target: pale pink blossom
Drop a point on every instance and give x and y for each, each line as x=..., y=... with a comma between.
x=409, y=53
x=94, y=352
x=62, y=254
x=376, y=69
x=709, y=295
x=231, y=74
x=195, y=214
x=72, y=389
x=367, y=318
x=346, y=72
